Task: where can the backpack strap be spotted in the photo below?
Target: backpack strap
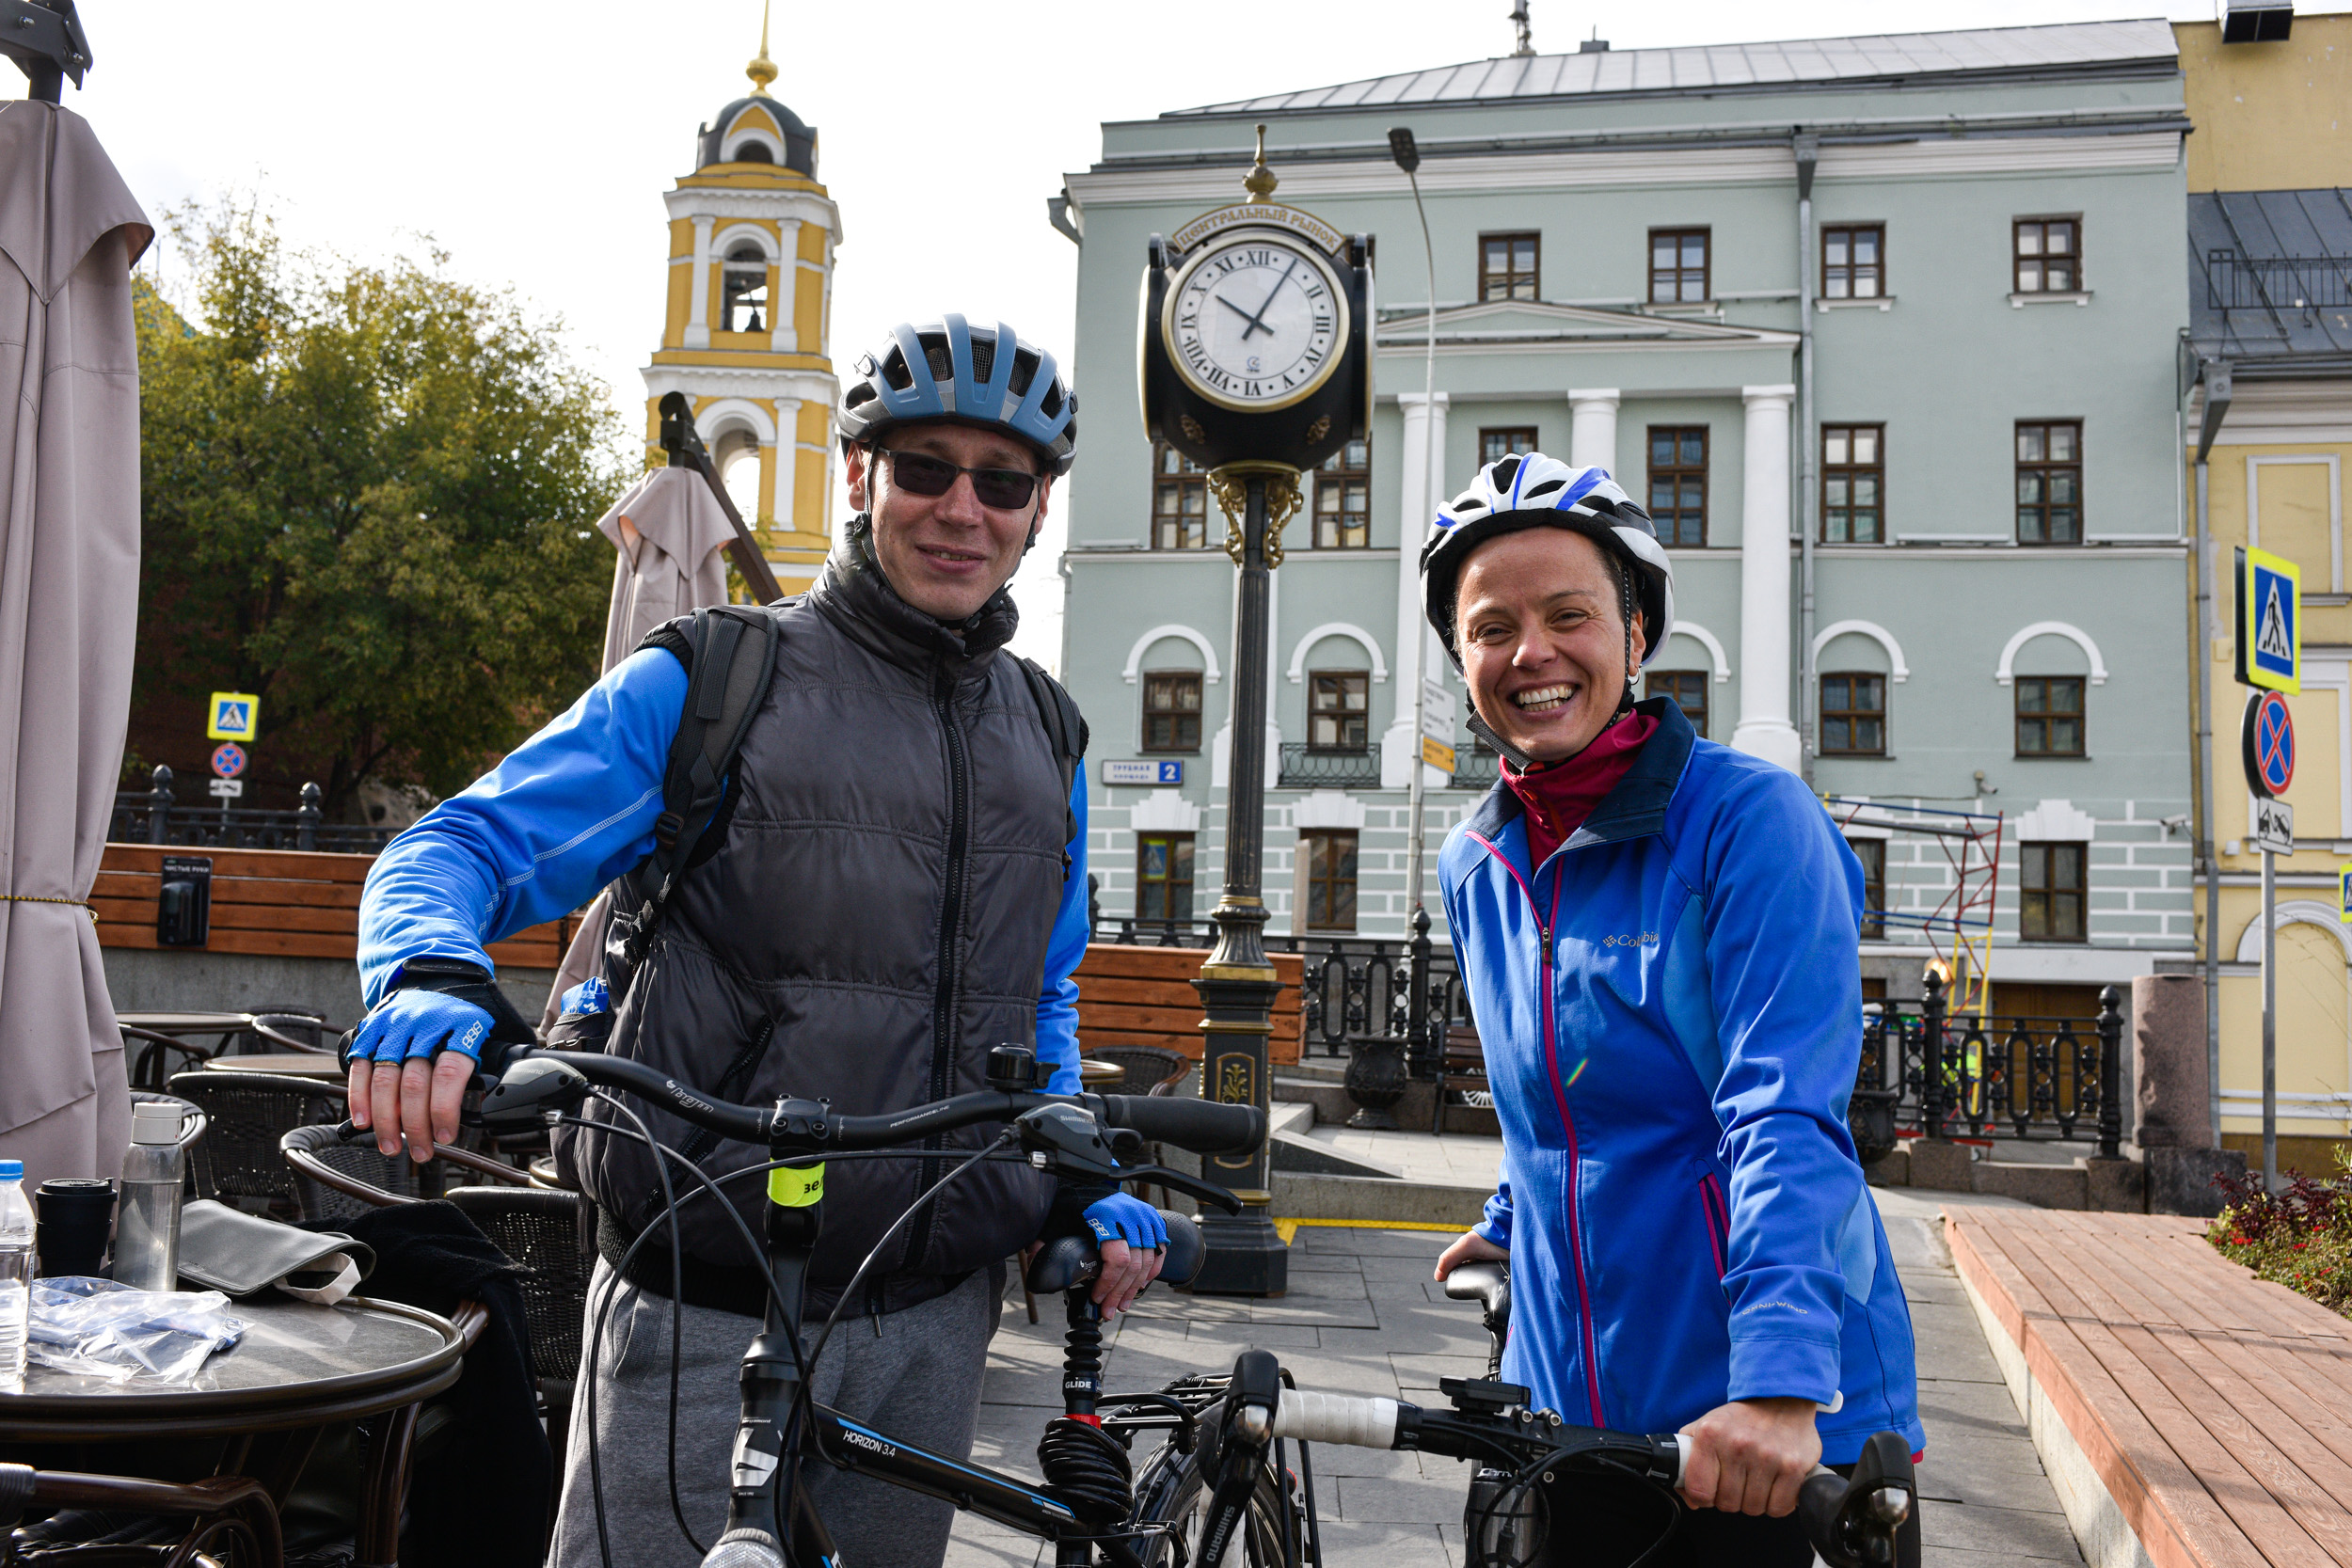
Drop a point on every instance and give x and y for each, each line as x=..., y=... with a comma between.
x=729, y=652
x=1066, y=727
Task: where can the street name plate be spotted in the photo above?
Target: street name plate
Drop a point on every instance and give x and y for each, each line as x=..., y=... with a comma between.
x=2274, y=826
x=1143, y=772
x=227, y=789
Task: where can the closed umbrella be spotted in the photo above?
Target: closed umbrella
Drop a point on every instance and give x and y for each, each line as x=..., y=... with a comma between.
x=69, y=232
x=668, y=532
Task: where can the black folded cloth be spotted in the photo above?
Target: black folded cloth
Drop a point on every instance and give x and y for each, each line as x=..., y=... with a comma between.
x=482, y=1499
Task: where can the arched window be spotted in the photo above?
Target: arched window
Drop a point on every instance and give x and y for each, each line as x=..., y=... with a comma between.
x=755, y=152
x=736, y=456
x=743, y=296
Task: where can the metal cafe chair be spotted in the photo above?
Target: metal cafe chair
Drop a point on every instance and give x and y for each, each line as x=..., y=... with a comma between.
x=231, y=1519
x=536, y=1227
x=238, y=1161
x=298, y=1031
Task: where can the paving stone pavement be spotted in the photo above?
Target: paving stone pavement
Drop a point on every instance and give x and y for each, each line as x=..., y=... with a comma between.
x=1362, y=1316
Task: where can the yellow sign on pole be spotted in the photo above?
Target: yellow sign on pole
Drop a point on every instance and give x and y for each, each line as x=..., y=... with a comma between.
x=1436, y=754
x=234, y=716
x=2269, y=621
x=2344, y=894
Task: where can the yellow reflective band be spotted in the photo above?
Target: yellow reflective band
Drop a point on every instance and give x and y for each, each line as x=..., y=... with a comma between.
x=796, y=1189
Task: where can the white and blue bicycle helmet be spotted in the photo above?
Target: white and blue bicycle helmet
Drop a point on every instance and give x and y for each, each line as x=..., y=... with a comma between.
x=1535, y=491
x=943, y=369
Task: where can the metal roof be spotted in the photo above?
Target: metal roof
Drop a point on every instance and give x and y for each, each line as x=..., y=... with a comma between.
x=1802, y=63
x=2270, y=273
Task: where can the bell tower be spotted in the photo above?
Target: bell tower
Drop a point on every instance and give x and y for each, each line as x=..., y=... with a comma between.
x=745, y=337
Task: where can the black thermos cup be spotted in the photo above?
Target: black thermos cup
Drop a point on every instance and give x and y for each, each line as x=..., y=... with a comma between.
x=73, y=1214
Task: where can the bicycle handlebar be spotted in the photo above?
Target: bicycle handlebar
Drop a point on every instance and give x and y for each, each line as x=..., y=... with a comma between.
x=1202, y=1126
x=1373, y=1422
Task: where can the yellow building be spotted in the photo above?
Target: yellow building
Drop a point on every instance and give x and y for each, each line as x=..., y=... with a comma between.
x=752, y=242
x=2270, y=346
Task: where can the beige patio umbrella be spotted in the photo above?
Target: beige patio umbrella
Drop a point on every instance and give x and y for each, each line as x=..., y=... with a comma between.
x=69, y=232
x=668, y=532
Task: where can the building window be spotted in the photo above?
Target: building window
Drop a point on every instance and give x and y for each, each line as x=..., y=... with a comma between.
x=1854, y=715
x=1171, y=711
x=1344, y=499
x=2050, y=909
x=1677, y=482
x=1871, y=852
x=1506, y=266
x=1339, y=716
x=1496, y=445
x=1853, y=479
x=1164, y=877
x=1677, y=266
x=2049, y=716
x=743, y=290
x=2050, y=482
x=2048, y=253
x=1688, y=688
x=1331, y=880
x=1853, y=261
x=1180, y=500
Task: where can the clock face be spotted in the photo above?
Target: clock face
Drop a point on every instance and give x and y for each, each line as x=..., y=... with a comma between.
x=1256, y=321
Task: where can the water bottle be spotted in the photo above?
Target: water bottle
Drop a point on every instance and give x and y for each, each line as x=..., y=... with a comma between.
x=16, y=1272
x=146, y=1230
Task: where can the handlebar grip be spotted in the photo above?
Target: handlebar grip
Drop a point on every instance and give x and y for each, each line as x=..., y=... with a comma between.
x=1355, y=1419
x=1202, y=1126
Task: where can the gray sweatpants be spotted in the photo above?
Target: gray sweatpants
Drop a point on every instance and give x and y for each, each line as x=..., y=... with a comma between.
x=914, y=1374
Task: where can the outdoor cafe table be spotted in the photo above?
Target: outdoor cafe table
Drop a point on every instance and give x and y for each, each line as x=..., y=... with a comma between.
x=298, y=1367
x=290, y=1064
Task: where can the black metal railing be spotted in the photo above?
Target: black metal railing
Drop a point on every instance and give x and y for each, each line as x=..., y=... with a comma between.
x=1356, y=988
x=1310, y=768
x=2238, y=282
x=1474, y=767
x=1960, y=1076
x=154, y=816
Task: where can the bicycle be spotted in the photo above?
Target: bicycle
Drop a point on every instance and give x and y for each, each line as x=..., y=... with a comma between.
x=1851, y=1522
x=1088, y=1501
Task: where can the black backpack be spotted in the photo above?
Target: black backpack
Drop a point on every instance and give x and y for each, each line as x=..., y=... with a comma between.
x=729, y=652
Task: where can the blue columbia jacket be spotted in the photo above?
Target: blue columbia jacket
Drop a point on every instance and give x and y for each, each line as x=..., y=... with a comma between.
x=574, y=807
x=1672, y=1013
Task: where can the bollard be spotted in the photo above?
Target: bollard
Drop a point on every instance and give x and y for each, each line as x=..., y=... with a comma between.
x=159, y=806
x=2110, y=1074
x=306, y=818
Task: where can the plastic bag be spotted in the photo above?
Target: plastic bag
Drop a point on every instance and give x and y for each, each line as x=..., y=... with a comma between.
x=97, y=1328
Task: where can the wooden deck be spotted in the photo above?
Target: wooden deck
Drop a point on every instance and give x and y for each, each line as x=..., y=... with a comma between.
x=2216, y=1409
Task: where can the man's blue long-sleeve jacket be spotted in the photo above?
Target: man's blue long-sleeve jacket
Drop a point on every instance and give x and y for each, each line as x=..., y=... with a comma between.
x=1671, y=1008
x=574, y=807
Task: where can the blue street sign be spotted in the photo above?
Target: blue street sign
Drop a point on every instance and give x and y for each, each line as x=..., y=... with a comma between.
x=2269, y=621
x=2268, y=744
x=228, y=760
x=1147, y=772
x=2344, y=894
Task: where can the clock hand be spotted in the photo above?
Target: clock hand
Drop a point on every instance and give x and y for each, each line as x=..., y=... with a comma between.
x=1257, y=323
x=1235, y=308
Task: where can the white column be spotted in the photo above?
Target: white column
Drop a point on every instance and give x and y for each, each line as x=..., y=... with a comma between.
x=1421, y=493
x=698, y=298
x=787, y=462
x=784, y=304
x=1764, y=729
x=1593, y=428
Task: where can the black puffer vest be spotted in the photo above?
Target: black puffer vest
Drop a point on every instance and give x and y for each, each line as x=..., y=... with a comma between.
x=875, y=919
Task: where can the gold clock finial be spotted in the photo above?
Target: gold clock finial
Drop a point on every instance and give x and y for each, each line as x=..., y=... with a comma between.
x=1259, y=182
x=762, y=70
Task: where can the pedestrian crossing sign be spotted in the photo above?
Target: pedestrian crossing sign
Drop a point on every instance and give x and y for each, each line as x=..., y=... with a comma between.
x=2269, y=621
x=2344, y=894
x=235, y=715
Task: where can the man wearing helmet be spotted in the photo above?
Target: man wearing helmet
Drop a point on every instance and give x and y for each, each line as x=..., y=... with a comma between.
x=1659, y=936
x=895, y=883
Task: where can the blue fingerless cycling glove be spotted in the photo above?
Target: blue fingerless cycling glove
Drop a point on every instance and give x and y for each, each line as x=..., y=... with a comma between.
x=411, y=1024
x=1122, y=1217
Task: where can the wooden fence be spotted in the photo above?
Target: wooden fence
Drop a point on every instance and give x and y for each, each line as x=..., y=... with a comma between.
x=1144, y=996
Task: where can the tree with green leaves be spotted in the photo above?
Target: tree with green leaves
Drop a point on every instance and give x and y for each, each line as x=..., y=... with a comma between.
x=368, y=497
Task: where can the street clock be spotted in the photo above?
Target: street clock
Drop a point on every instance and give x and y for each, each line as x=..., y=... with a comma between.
x=1256, y=334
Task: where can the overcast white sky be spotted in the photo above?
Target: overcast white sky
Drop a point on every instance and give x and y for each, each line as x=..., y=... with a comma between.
x=532, y=140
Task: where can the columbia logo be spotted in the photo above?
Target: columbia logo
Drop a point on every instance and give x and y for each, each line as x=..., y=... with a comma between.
x=1642, y=939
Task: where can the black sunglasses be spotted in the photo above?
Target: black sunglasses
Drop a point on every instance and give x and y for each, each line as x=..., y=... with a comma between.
x=1004, y=489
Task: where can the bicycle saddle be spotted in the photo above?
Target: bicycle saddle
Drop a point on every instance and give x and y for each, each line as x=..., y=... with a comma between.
x=1067, y=1260
x=1487, y=1284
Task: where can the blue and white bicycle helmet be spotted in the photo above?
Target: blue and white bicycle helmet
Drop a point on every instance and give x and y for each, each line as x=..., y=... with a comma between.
x=1535, y=491
x=943, y=369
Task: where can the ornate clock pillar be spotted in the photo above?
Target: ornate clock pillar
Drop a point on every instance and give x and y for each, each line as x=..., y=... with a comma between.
x=1255, y=366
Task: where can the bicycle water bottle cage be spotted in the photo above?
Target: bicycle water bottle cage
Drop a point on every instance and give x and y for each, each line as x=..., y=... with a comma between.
x=528, y=1094
x=1482, y=1396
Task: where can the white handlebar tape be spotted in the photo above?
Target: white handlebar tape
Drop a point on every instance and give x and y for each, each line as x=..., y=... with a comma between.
x=1682, y=1455
x=1350, y=1418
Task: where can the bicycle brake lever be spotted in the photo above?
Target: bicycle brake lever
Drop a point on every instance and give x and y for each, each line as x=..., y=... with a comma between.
x=1178, y=1181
